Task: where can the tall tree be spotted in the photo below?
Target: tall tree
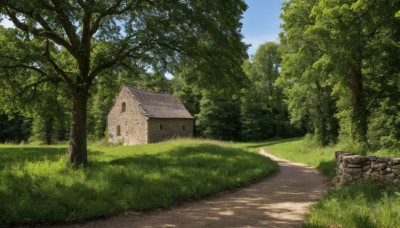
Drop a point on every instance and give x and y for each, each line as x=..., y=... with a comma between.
x=305, y=73
x=14, y=128
x=346, y=29
x=263, y=111
x=189, y=95
x=219, y=116
x=382, y=87
x=340, y=52
x=80, y=39
x=49, y=112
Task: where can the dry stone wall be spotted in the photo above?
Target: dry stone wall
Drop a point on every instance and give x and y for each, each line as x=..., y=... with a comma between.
x=351, y=168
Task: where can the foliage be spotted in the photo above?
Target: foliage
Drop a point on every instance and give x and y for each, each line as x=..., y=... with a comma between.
x=72, y=44
x=189, y=95
x=20, y=86
x=49, y=113
x=304, y=74
x=37, y=187
x=219, y=116
x=338, y=68
x=14, y=129
x=263, y=111
x=99, y=106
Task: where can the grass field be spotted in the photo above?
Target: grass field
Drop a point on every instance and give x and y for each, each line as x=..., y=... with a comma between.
x=304, y=151
x=362, y=205
x=37, y=187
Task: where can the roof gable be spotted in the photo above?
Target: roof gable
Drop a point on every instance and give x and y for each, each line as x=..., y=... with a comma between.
x=159, y=105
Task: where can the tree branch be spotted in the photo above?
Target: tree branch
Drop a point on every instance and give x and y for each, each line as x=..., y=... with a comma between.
x=63, y=75
x=122, y=53
x=67, y=25
x=110, y=11
x=46, y=32
x=34, y=84
x=20, y=65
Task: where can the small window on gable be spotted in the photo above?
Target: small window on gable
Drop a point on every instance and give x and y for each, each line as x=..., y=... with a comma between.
x=118, y=130
x=123, y=107
x=161, y=127
x=183, y=128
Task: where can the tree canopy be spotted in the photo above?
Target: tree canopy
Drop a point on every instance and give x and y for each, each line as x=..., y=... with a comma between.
x=72, y=43
x=338, y=64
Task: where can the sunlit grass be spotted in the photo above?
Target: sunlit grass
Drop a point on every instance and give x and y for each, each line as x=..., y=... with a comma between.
x=362, y=205
x=304, y=151
x=38, y=187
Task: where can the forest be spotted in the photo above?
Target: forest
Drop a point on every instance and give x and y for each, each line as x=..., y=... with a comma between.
x=255, y=110
x=334, y=74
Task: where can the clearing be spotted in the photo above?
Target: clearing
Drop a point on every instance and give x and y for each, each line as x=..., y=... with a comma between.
x=279, y=201
x=37, y=187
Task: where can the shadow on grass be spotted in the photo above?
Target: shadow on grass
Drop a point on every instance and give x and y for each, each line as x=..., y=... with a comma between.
x=204, y=155
x=328, y=168
x=258, y=144
x=138, y=182
x=12, y=155
x=363, y=221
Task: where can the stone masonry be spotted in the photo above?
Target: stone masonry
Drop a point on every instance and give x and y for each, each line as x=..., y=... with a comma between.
x=132, y=124
x=351, y=168
x=140, y=116
x=171, y=128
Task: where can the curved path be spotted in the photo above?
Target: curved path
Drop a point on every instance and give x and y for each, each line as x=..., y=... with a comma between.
x=281, y=200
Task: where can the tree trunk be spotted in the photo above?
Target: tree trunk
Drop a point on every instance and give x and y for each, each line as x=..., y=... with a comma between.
x=359, y=112
x=77, y=139
x=48, y=125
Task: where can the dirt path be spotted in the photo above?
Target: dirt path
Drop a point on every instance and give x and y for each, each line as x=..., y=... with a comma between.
x=279, y=201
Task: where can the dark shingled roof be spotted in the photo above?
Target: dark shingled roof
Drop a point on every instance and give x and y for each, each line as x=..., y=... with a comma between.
x=159, y=105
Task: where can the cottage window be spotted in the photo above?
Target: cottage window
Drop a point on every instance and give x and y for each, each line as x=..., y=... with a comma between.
x=183, y=128
x=123, y=107
x=118, y=130
x=161, y=127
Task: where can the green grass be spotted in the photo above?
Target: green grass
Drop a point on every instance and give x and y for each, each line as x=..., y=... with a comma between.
x=362, y=205
x=304, y=151
x=36, y=186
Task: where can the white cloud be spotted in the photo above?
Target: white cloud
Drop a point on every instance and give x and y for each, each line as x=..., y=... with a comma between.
x=6, y=23
x=256, y=41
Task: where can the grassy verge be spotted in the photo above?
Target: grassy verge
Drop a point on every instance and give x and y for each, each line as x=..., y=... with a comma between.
x=37, y=187
x=304, y=151
x=362, y=205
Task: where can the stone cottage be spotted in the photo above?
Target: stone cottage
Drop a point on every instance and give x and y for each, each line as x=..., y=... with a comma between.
x=140, y=116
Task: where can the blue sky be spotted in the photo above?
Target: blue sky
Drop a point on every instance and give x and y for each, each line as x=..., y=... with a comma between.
x=261, y=22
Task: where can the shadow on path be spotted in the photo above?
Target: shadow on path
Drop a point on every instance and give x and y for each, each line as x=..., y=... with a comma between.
x=279, y=201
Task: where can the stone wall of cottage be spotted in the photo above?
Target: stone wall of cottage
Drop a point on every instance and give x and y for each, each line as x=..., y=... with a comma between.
x=132, y=124
x=351, y=168
x=162, y=129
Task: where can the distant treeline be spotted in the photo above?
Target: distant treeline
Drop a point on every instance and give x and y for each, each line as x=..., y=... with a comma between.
x=335, y=75
x=254, y=110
